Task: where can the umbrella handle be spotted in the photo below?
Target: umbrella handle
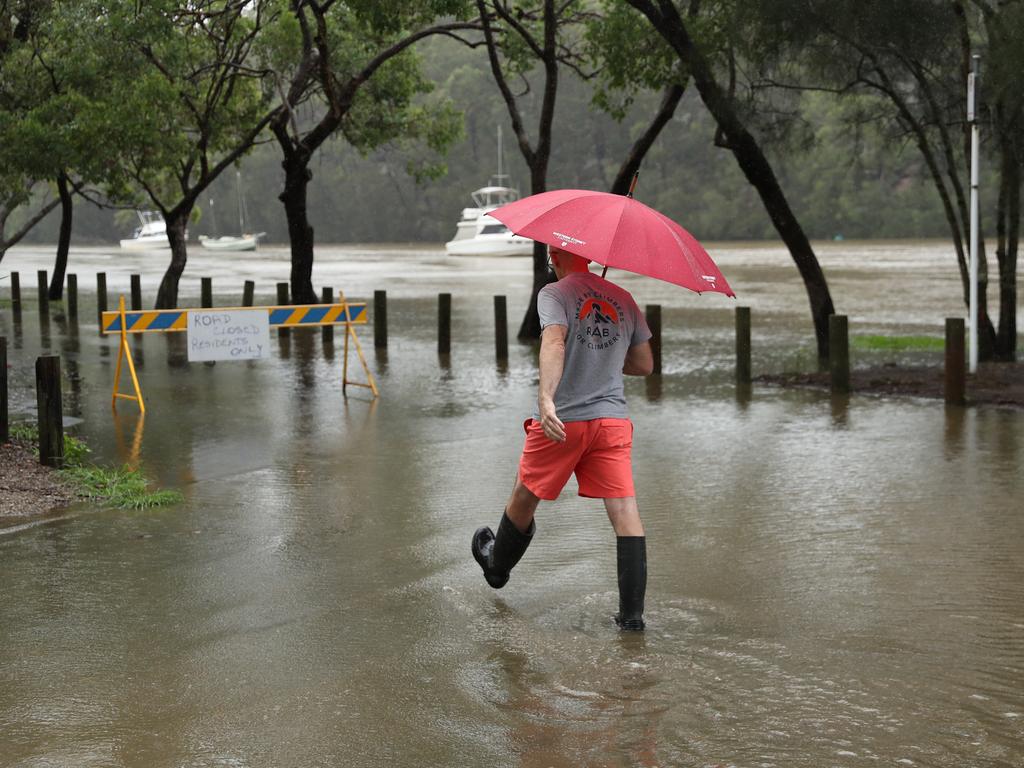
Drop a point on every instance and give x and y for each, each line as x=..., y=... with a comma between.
x=632, y=184
x=604, y=271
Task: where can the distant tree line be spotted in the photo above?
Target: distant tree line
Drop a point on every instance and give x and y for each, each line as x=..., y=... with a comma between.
x=371, y=120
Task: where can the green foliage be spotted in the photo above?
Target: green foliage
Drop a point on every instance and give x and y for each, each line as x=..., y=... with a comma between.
x=897, y=343
x=125, y=488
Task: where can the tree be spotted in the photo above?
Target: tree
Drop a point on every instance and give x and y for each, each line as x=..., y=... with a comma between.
x=916, y=61
x=628, y=56
x=190, y=102
x=517, y=40
x=17, y=180
x=735, y=136
x=356, y=60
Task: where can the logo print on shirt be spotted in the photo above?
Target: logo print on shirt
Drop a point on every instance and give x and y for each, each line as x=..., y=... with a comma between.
x=603, y=312
x=599, y=321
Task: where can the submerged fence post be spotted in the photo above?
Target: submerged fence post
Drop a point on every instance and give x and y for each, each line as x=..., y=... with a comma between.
x=206, y=292
x=73, y=297
x=15, y=292
x=136, y=292
x=653, y=314
x=839, y=353
x=444, y=323
x=380, y=319
x=44, y=288
x=48, y=400
x=101, y=296
x=500, y=329
x=327, y=297
x=5, y=432
x=743, y=368
x=282, y=300
x=248, y=289
x=956, y=366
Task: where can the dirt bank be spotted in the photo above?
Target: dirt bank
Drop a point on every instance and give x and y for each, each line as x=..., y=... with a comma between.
x=27, y=487
x=999, y=384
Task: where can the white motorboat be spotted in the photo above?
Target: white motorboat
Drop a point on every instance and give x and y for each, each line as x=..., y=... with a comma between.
x=229, y=243
x=151, y=234
x=478, y=234
x=246, y=241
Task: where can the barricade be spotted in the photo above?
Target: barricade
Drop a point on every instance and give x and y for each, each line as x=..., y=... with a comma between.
x=124, y=322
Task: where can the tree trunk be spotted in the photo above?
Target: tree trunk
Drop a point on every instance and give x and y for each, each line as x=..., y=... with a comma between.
x=752, y=162
x=177, y=221
x=296, y=182
x=1006, y=338
x=669, y=101
x=530, y=328
x=60, y=264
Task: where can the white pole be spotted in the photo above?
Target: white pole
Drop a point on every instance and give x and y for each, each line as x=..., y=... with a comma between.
x=972, y=79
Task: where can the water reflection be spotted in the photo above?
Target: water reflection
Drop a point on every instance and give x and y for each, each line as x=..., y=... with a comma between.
x=840, y=402
x=313, y=602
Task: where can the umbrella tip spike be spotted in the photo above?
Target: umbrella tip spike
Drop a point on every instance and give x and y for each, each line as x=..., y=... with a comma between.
x=632, y=184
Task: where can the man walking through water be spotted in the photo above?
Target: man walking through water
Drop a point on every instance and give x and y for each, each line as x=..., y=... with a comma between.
x=593, y=333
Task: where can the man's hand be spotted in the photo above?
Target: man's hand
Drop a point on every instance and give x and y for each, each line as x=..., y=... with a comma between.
x=553, y=428
x=552, y=358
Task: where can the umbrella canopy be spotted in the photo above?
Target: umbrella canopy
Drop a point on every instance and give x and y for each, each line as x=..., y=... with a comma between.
x=616, y=231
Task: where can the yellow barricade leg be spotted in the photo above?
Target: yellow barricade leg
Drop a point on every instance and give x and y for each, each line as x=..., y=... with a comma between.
x=124, y=351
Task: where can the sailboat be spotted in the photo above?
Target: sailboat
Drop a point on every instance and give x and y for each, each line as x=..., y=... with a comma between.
x=478, y=234
x=242, y=242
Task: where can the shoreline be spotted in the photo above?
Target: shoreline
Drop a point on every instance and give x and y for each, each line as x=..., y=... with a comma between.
x=995, y=384
x=27, y=488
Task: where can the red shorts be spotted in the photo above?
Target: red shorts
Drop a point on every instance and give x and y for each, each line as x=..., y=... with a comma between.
x=598, y=451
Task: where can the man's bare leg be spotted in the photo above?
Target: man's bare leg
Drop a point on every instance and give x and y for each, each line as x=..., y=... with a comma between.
x=624, y=515
x=522, y=505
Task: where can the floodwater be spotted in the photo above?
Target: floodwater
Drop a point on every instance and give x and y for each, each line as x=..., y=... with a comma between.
x=833, y=581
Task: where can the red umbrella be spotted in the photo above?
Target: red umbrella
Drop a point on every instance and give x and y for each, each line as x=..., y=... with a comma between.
x=616, y=231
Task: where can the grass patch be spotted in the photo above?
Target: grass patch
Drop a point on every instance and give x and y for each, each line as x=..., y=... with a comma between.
x=125, y=488
x=898, y=343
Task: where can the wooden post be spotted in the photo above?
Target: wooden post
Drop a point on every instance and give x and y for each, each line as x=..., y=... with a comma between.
x=15, y=292
x=206, y=292
x=444, y=323
x=136, y=293
x=73, y=297
x=956, y=370
x=327, y=295
x=44, y=287
x=282, y=300
x=48, y=399
x=500, y=329
x=742, y=345
x=101, y=296
x=653, y=315
x=380, y=319
x=839, y=353
x=247, y=293
x=5, y=432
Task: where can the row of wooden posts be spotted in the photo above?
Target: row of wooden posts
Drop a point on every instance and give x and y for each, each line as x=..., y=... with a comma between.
x=839, y=359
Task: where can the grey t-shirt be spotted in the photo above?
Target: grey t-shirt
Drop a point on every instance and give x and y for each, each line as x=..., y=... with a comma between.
x=603, y=322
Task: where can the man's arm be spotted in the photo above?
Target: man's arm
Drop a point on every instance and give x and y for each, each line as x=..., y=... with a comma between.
x=639, y=360
x=552, y=360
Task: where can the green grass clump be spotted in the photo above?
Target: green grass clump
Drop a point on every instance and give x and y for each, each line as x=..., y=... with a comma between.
x=898, y=343
x=125, y=488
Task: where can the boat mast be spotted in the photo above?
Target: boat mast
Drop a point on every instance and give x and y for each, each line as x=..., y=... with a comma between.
x=238, y=192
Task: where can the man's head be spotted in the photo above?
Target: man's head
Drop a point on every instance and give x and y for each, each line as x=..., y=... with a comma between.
x=565, y=263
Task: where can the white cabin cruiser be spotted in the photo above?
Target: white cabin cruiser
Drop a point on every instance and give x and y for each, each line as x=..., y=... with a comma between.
x=478, y=234
x=150, y=235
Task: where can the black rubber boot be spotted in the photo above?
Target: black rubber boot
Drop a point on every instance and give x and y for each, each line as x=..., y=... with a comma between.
x=498, y=555
x=632, y=563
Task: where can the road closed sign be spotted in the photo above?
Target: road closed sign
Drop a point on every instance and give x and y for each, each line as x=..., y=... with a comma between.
x=228, y=334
